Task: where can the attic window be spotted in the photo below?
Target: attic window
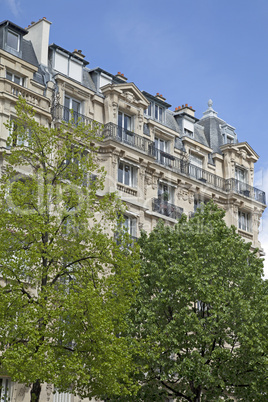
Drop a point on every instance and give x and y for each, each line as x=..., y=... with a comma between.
x=13, y=40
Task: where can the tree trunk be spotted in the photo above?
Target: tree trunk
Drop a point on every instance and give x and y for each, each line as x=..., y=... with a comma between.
x=35, y=391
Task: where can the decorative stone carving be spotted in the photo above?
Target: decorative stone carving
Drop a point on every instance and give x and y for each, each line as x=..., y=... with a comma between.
x=191, y=197
x=140, y=118
x=115, y=108
x=129, y=97
x=49, y=389
x=21, y=392
x=182, y=194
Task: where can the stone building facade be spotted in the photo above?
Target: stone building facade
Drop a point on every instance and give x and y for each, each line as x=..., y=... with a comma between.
x=162, y=162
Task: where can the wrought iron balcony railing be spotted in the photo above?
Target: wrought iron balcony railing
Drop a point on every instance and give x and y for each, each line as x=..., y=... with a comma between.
x=164, y=207
x=129, y=138
x=244, y=189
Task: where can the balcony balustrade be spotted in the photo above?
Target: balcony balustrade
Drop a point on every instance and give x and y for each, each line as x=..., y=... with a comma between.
x=127, y=137
x=62, y=113
x=239, y=187
x=178, y=165
x=164, y=207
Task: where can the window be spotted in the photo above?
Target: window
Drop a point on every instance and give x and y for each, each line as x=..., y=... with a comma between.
x=125, y=128
x=195, y=167
x=71, y=104
x=13, y=40
x=127, y=174
x=188, y=132
x=244, y=221
x=229, y=140
x=158, y=113
x=15, y=78
x=241, y=174
x=18, y=139
x=146, y=129
x=148, y=111
x=130, y=225
x=166, y=192
x=5, y=385
x=161, y=147
x=241, y=177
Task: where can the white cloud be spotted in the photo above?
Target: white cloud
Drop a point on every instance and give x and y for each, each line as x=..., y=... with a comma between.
x=14, y=6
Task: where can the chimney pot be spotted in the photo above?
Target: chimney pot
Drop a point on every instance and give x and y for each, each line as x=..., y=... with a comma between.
x=179, y=107
x=186, y=104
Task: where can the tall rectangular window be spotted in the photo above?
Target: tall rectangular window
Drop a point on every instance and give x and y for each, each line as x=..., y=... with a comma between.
x=166, y=192
x=241, y=180
x=13, y=40
x=161, y=147
x=158, y=112
x=71, y=104
x=244, y=221
x=127, y=174
x=130, y=225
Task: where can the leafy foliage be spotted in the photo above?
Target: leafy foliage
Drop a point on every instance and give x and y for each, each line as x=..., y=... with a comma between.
x=201, y=314
x=66, y=285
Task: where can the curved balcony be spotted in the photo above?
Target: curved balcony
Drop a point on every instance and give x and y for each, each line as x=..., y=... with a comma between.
x=164, y=207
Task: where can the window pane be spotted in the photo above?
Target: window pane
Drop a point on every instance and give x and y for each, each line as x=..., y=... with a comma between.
x=12, y=40
x=127, y=175
x=156, y=111
x=120, y=172
x=160, y=114
x=9, y=76
x=75, y=106
x=120, y=121
x=16, y=79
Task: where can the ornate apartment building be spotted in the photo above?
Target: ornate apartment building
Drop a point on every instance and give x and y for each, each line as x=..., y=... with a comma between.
x=162, y=162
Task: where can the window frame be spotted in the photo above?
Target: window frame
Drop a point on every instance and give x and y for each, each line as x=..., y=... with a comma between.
x=13, y=76
x=166, y=192
x=67, y=109
x=244, y=221
x=9, y=43
x=122, y=178
x=130, y=225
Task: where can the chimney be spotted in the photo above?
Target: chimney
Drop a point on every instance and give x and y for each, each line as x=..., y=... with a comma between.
x=121, y=76
x=185, y=109
x=160, y=96
x=38, y=34
x=79, y=54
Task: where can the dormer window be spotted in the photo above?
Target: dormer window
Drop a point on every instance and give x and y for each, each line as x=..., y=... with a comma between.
x=13, y=40
x=189, y=133
x=158, y=113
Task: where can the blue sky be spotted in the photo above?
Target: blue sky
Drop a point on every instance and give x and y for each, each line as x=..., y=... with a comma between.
x=189, y=51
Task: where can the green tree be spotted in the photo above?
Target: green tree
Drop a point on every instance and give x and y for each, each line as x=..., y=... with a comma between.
x=201, y=314
x=65, y=283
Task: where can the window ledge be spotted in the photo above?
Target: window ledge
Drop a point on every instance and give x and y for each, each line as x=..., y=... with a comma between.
x=245, y=233
x=127, y=189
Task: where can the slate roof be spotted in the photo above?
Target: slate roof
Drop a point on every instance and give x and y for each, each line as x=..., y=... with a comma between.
x=28, y=53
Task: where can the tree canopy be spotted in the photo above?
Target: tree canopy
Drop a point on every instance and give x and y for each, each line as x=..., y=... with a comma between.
x=201, y=314
x=65, y=283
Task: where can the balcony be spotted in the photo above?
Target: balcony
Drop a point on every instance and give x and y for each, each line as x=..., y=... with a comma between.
x=178, y=165
x=238, y=187
x=127, y=137
x=166, y=208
